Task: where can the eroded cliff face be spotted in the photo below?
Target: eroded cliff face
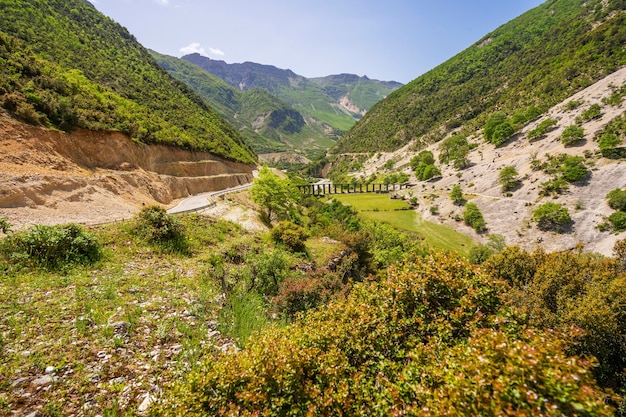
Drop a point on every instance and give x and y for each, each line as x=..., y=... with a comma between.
x=49, y=177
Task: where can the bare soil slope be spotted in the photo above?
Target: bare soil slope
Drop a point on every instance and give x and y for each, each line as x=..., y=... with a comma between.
x=49, y=177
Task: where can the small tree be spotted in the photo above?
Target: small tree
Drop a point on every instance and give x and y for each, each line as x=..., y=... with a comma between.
x=618, y=221
x=572, y=135
x=457, y=195
x=508, y=178
x=574, y=169
x=474, y=218
x=498, y=128
x=551, y=216
x=277, y=195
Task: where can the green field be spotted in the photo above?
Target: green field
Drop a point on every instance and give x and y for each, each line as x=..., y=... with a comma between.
x=382, y=208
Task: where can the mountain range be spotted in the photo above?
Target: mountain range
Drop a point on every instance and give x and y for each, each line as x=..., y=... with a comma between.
x=306, y=115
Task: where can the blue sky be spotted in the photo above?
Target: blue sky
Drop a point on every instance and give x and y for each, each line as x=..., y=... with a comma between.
x=386, y=40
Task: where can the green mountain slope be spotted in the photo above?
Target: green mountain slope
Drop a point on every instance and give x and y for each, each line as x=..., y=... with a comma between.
x=65, y=65
x=318, y=99
x=535, y=60
x=361, y=91
x=266, y=123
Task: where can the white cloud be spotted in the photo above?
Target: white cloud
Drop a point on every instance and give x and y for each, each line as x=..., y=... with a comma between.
x=215, y=51
x=196, y=48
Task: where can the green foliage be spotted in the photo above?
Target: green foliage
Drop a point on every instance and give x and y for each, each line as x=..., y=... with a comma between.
x=269, y=270
x=474, y=218
x=608, y=141
x=574, y=169
x=574, y=104
x=498, y=128
x=52, y=247
x=158, y=227
x=456, y=195
x=508, y=178
x=565, y=289
x=5, y=226
x=617, y=199
x=552, y=216
x=90, y=73
x=243, y=316
x=538, y=59
x=572, y=135
x=291, y=235
x=480, y=253
x=455, y=149
x=618, y=221
x=564, y=169
x=404, y=345
x=593, y=112
x=424, y=166
x=544, y=127
x=277, y=195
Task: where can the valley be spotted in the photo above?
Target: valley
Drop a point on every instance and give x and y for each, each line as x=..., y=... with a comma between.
x=491, y=282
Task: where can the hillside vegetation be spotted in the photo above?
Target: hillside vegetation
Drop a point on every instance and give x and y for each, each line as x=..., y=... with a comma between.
x=67, y=66
x=326, y=314
x=535, y=60
x=531, y=114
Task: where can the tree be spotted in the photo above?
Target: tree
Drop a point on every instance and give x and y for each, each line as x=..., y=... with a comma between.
x=455, y=149
x=508, y=178
x=498, y=128
x=551, y=216
x=572, y=135
x=457, y=195
x=277, y=195
x=474, y=218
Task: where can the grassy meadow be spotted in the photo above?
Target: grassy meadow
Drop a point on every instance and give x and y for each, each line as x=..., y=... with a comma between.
x=382, y=208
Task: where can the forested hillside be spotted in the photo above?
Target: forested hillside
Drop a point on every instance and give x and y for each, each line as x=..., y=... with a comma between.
x=65, y=65
x=266, y=123
x=534, y=61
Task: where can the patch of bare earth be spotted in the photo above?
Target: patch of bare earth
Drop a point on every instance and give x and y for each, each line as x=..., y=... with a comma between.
x=50, y=177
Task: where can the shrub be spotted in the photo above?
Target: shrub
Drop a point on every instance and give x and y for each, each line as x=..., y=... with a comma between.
x=298, y=294
x=609, y=140
x=53, y=247
x=474, y=218
x=574, y=169
x=551, y=216
x=427, y=339
x=617, y=199
x=158, y=227
x=456, y=195
x=508, y=178
x=5, y=226
x=593, y=112
x=291, y=235
x=572, y=135
x=544, y=127
x=269, y=270
x=618, y=221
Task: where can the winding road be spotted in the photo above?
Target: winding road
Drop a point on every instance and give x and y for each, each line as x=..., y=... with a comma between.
x=201, y=201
